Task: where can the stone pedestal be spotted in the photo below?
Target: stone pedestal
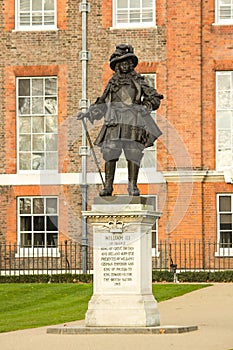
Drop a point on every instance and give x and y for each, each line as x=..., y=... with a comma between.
x=122, y=263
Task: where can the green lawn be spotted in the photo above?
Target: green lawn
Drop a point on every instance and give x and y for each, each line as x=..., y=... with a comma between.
x=34, y=305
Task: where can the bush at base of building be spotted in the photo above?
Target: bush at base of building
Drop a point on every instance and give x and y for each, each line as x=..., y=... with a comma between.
x=191, y=276
x=58, y=278
x=157, y=276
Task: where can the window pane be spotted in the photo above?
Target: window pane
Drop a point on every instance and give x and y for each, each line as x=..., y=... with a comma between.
x=51, y=142
x=224, y=82
x=25, y=143
x=50, y=86
x=38, y=124
x=38, y=142
x=51, y=124
x=37, y=105
x=38, y=205
x=25, y=205
x=122, y=3
x=225, y=203
x=37, y=87
x=225, y=239
x=25, y=223
x=26, y=239
x=25, y=161
x=225, y=12
x=224, y=158
x=24, y=5
x=24, y=87
x=38, y=223
x=52, y=239
x=24, y=106
x=148, y=160
x=225, y=2
x=224, y=99
x=154, y=239
x=52, y=223
x=49, y=19
x=122, y=17
x=51, y=161
x=51, y=205
x=224, y=139
x=36, y=5
x=224, y=119
x=135, y=16
x=135, y=3
x=150, y=79
x=37, y=19
x=147, y=3
x=24, y=125
x=39, y=240
x=38, y=161
x=49, y=4
x=51, y=105
x=147, y=16
x=24, y=19
x=225, y=221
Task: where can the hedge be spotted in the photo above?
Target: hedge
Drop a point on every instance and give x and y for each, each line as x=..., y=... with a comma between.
x=58, y=278
x=201, y=276
x=157, y=276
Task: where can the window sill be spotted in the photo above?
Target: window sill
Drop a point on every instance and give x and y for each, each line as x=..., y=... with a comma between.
x=41, y=29
x=217, y=24
x=224, y=254
x=134, y=27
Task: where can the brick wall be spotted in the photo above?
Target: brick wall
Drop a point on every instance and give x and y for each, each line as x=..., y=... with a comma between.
x=184, y=49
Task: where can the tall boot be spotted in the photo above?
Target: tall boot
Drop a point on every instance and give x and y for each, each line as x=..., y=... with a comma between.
x=133, y=170
x=110, y=167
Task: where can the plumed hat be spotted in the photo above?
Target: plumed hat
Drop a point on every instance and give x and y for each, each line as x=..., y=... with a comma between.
x=122, y=53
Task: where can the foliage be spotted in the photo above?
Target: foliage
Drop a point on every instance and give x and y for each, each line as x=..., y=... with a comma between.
x=54, y=278
x=157, y=276
x=194, y=276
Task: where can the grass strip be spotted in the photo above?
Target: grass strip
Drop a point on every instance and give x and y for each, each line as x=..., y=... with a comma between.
x=34, y=305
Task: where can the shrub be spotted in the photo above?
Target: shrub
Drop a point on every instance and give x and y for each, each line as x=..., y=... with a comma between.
x=56, y=278
x=194, y=276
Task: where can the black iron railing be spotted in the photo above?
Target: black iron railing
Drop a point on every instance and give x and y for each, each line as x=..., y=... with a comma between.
x=180, y=255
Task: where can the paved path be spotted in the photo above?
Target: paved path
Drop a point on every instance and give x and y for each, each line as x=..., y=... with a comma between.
x=210, y=308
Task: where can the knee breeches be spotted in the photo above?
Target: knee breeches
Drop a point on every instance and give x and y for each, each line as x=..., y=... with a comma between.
x=132, y=150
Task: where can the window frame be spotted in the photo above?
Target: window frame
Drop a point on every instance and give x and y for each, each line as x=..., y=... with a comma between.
x=37, y=251
x=217, y=14
x=221, y=251
x=218, y=129
x=31, y=115
x=133, y=24
x=154, y=230
x=41, y=27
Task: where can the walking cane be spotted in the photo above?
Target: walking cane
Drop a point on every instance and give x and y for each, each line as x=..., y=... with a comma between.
x=93, y=152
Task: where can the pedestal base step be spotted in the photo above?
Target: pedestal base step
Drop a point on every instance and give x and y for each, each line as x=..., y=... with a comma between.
x=121, y=330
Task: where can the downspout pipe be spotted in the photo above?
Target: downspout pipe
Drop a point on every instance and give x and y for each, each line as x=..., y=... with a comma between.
x=84, y=8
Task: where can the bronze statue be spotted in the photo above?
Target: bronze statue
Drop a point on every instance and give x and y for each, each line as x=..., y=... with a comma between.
x=126, y=105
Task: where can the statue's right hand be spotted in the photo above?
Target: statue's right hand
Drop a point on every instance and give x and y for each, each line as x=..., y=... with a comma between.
x=80, y=116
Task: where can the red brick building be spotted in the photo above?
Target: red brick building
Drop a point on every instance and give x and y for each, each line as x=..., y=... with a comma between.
x=46, y=174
